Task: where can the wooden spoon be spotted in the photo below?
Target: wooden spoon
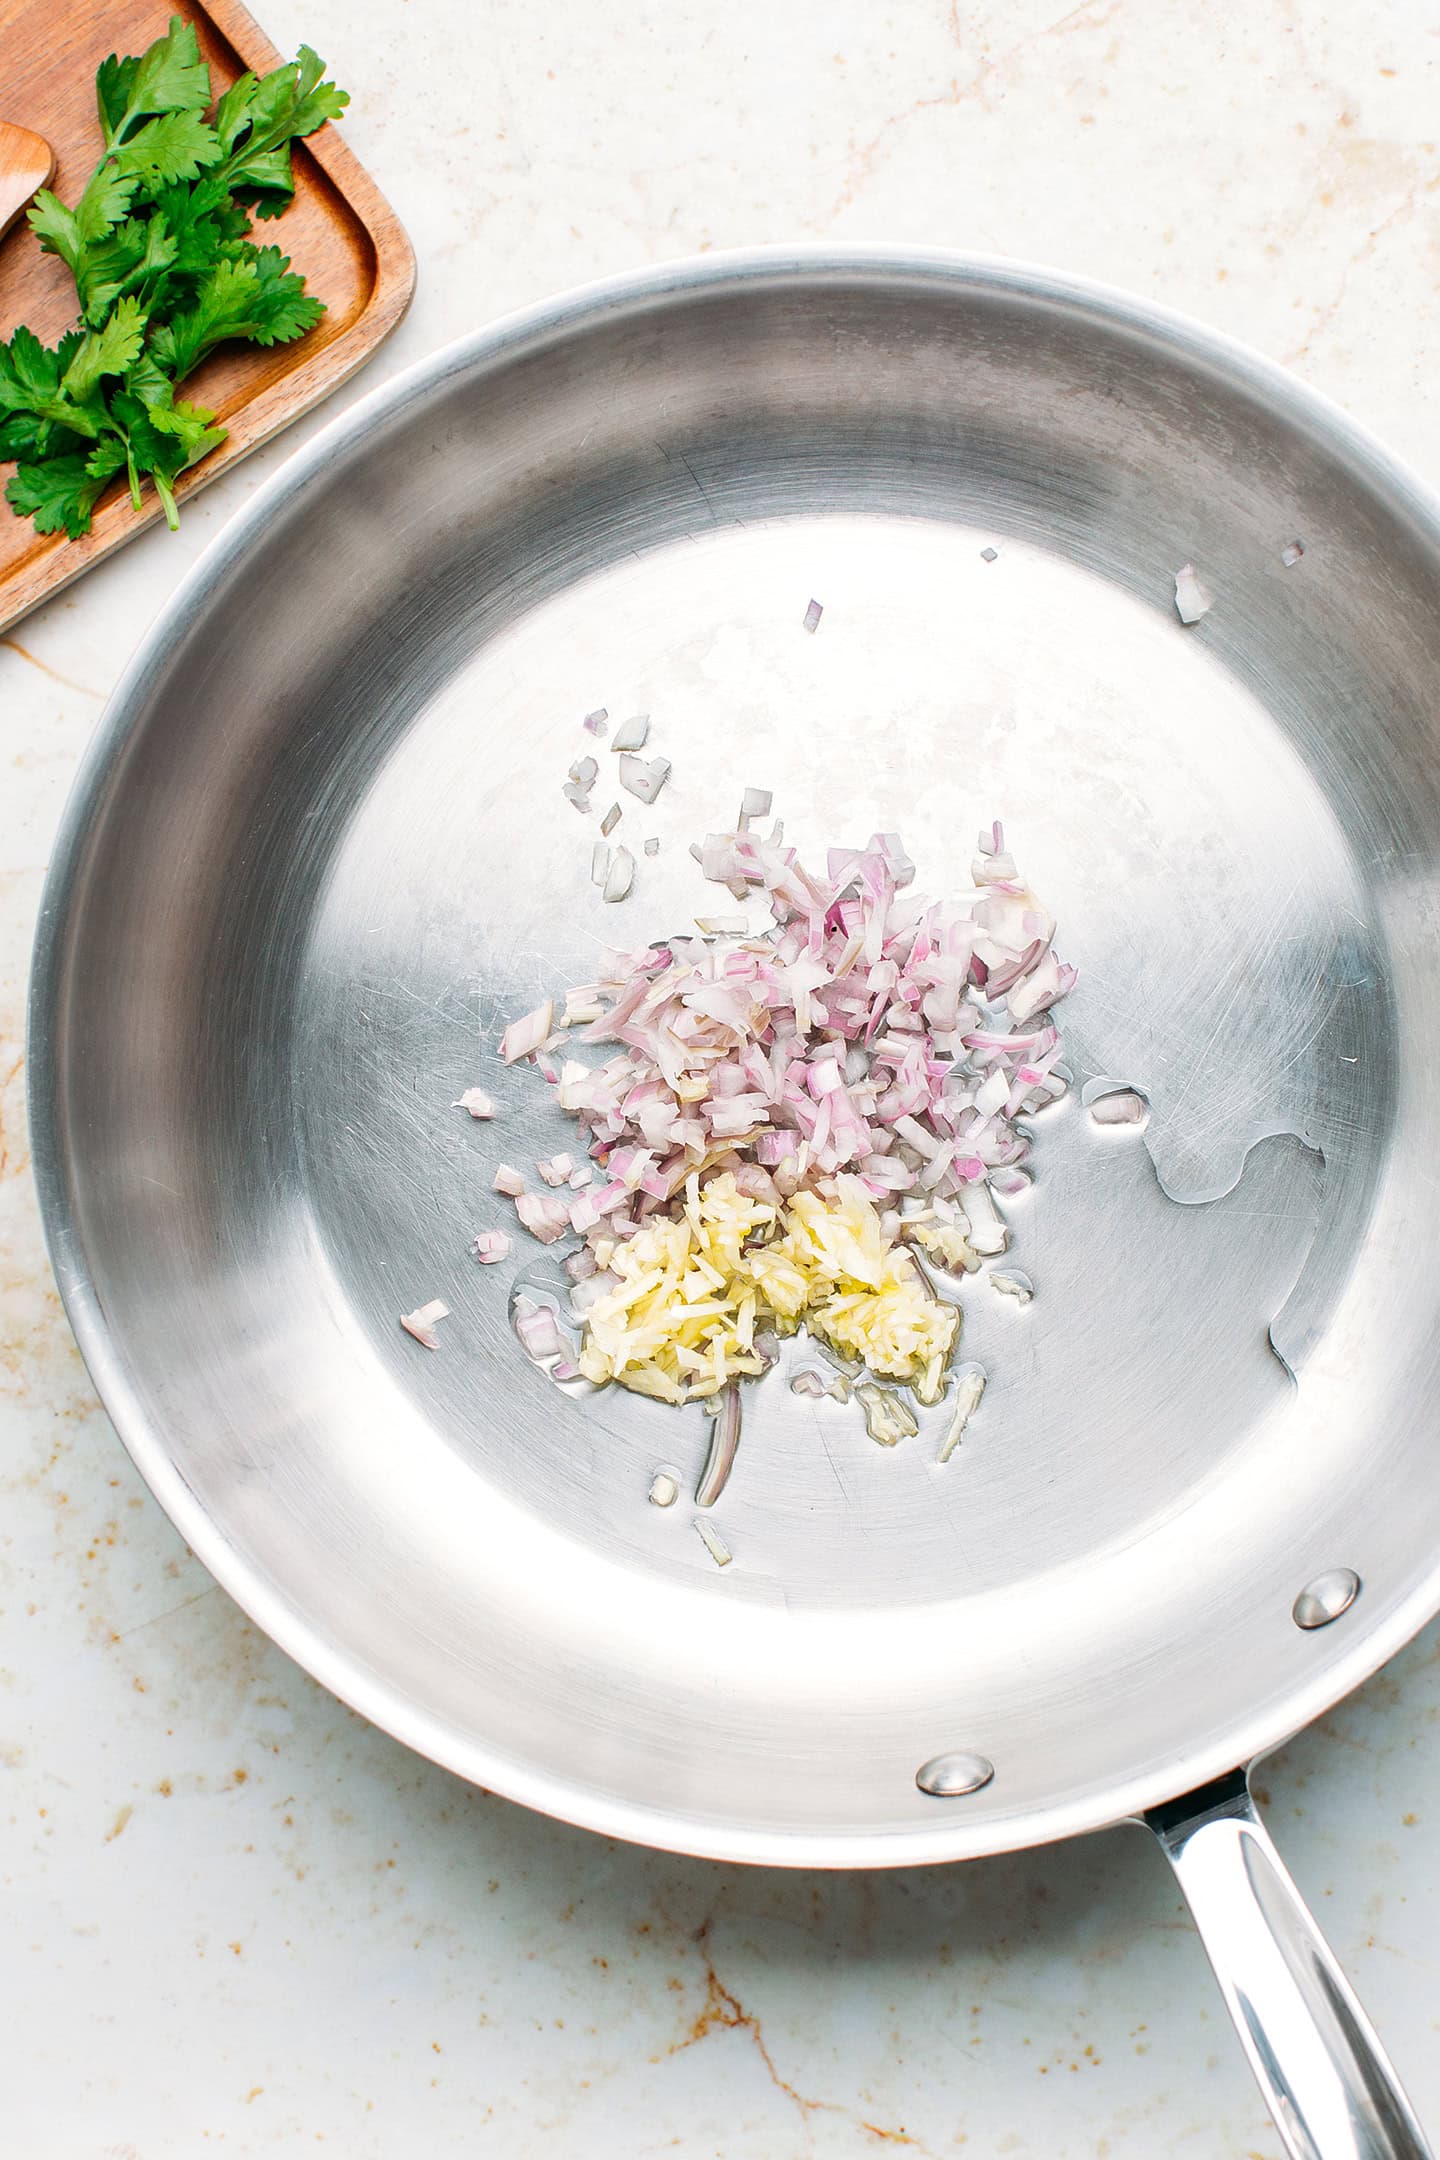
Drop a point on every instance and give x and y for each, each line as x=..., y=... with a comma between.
x=26, y=163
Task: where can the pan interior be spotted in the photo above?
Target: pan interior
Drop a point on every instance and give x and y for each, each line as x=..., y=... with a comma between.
x=328, y=857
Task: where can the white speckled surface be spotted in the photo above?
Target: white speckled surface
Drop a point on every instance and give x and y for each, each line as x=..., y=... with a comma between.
x=235, y=1916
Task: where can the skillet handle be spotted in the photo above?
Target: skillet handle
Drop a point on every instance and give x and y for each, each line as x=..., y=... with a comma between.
x=1330, y=2090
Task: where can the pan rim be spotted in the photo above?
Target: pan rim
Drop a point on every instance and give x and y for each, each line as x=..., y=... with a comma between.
x=267, y=1603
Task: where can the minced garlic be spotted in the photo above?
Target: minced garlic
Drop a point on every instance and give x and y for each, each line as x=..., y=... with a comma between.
x=693, y=1290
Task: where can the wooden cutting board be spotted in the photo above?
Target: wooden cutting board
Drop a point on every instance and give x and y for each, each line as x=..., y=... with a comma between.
x=340, y=233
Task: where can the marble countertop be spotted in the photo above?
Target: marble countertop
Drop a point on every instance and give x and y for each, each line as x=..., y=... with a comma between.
x=235, y=1916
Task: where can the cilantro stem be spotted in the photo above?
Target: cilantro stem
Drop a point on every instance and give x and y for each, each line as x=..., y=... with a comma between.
x=167, y=496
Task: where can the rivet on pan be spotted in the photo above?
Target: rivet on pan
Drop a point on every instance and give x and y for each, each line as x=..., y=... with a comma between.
x=947, y=1777
x=1326, y=1598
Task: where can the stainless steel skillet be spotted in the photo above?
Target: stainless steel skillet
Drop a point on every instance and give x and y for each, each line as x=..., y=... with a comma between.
x=319, y=850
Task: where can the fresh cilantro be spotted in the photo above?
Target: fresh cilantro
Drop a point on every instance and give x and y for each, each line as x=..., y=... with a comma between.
x=159, y=248
x=61, y=494
x=175, y=146
x=108, y=351
x=257, y=122
x=261, y=299
x=170, y=77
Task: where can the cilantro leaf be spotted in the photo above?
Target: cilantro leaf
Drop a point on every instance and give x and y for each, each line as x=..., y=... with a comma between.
x=68, y=233
x=105, y=352
x=232, y=114
x=317, y=101
x=169, y=77
x=267, y=182
x=193, y=426
x=29, y=371
x=59, y=495
x=22, y=435
x=200, y=218
x=176, y=146
x=262, y=300
x=134, y=255
x=55, y=227
x=106, y=459
x=290, y=102
x=31, y=383
x=283, y=308
x=114, y=82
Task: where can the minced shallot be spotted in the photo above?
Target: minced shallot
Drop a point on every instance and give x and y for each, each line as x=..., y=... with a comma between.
x=477, y=1102
x=421, y=1322
x=1191, y=599
x=867, y=1030
x=856, y=1074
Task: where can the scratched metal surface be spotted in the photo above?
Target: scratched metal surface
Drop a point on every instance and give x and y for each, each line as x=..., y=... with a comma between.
x=308, y=874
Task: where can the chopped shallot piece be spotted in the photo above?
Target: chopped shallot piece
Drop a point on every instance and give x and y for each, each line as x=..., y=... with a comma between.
x=595, y=722
x=492, y=1245
x=988, y=1233
x=755, y=803
x=969, y=1388
x=508, y=1181
x=420, y=1323
x=545, y=1218
x=1191, y=599
x=582, y=1004
x=1291, y=554
x=599, y=870
x=812, y=617
x=714, y=1544
x=722, y=925
x=476, y=1101
x=574, y=793
x=642, y=778
x=652, y=845
x=632, y=733
x=583, y=772
x=557, y=1169
x=536, y=1327
x=622, y=875
x=610, y=820
x=523, y=1037
x=809, y=1382
x=1124, y=1106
